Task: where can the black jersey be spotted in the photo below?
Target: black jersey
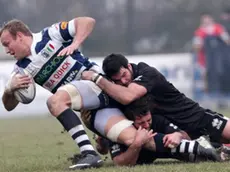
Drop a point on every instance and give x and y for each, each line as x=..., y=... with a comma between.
x=160, y=124
x=167, y=100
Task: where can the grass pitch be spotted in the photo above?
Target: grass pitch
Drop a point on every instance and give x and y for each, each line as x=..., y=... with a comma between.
x=38, y=145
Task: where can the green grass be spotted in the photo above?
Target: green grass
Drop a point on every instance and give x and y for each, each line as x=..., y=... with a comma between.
x=37, y=145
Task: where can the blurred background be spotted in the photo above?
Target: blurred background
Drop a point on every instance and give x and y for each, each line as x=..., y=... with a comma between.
x=187, y=40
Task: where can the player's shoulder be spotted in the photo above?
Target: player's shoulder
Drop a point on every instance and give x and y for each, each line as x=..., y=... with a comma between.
x=144, y=67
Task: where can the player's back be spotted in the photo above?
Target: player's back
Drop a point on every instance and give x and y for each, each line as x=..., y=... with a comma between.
x=167, y=99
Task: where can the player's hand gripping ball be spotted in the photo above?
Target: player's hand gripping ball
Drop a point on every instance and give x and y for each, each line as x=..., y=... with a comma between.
x=25, y=95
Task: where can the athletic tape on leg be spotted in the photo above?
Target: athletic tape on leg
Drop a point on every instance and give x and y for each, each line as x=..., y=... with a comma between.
x=75, y=96
x=116, y=129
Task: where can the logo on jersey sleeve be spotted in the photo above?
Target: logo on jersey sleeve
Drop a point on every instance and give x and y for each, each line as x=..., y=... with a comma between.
x=64, y=25
x=216, y=123
x=138, y=78
x=115, y=148
x=173, y=126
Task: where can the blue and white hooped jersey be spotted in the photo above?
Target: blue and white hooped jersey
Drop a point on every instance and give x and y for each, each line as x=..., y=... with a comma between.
x=49, y=70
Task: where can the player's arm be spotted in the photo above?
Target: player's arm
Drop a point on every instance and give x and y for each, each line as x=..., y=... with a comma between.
x=15, y=82
x=129, y=157
x=163, y=125
x=76, y=31
x=83, y=27
x=145, y=82
x=124, y=95
x=174, y=134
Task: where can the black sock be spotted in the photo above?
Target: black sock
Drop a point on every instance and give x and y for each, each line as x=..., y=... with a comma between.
x=73, y=125
x=158, y=138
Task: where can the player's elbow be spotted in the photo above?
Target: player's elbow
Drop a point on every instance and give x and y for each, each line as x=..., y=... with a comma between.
x=88, y=20
x=91, y=20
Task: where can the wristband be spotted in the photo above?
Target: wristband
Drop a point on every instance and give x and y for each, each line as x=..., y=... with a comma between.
x=96, y=78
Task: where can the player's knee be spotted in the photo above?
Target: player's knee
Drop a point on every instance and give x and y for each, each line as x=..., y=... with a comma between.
x=51, y=104
x=57, y=103
x=74, y=97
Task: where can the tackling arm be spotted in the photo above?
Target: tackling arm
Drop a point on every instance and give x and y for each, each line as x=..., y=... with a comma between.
x=129, y=157
x=124, y=95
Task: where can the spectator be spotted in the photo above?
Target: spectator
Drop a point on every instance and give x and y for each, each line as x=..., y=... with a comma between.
x=209, y=43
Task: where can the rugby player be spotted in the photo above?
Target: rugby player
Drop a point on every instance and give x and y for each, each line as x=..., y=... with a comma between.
x=132, y=81
x=51, y=56
x=139, y=112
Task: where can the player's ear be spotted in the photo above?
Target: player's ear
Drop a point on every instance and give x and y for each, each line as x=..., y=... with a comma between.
x=19, y=35
x=129, y=66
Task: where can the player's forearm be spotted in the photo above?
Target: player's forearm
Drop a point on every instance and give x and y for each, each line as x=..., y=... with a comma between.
x=83, y=27
x=121, y=94
x=9, y=100
x=129, y=157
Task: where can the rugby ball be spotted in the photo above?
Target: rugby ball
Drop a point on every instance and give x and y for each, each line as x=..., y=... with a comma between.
x=25, y=95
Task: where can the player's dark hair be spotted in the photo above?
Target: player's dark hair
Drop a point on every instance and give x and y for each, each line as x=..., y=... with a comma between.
x=14, y=26
x=112, y=64
x=139, y=107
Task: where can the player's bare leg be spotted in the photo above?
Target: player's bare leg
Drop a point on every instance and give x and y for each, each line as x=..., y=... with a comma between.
x=59, y=105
